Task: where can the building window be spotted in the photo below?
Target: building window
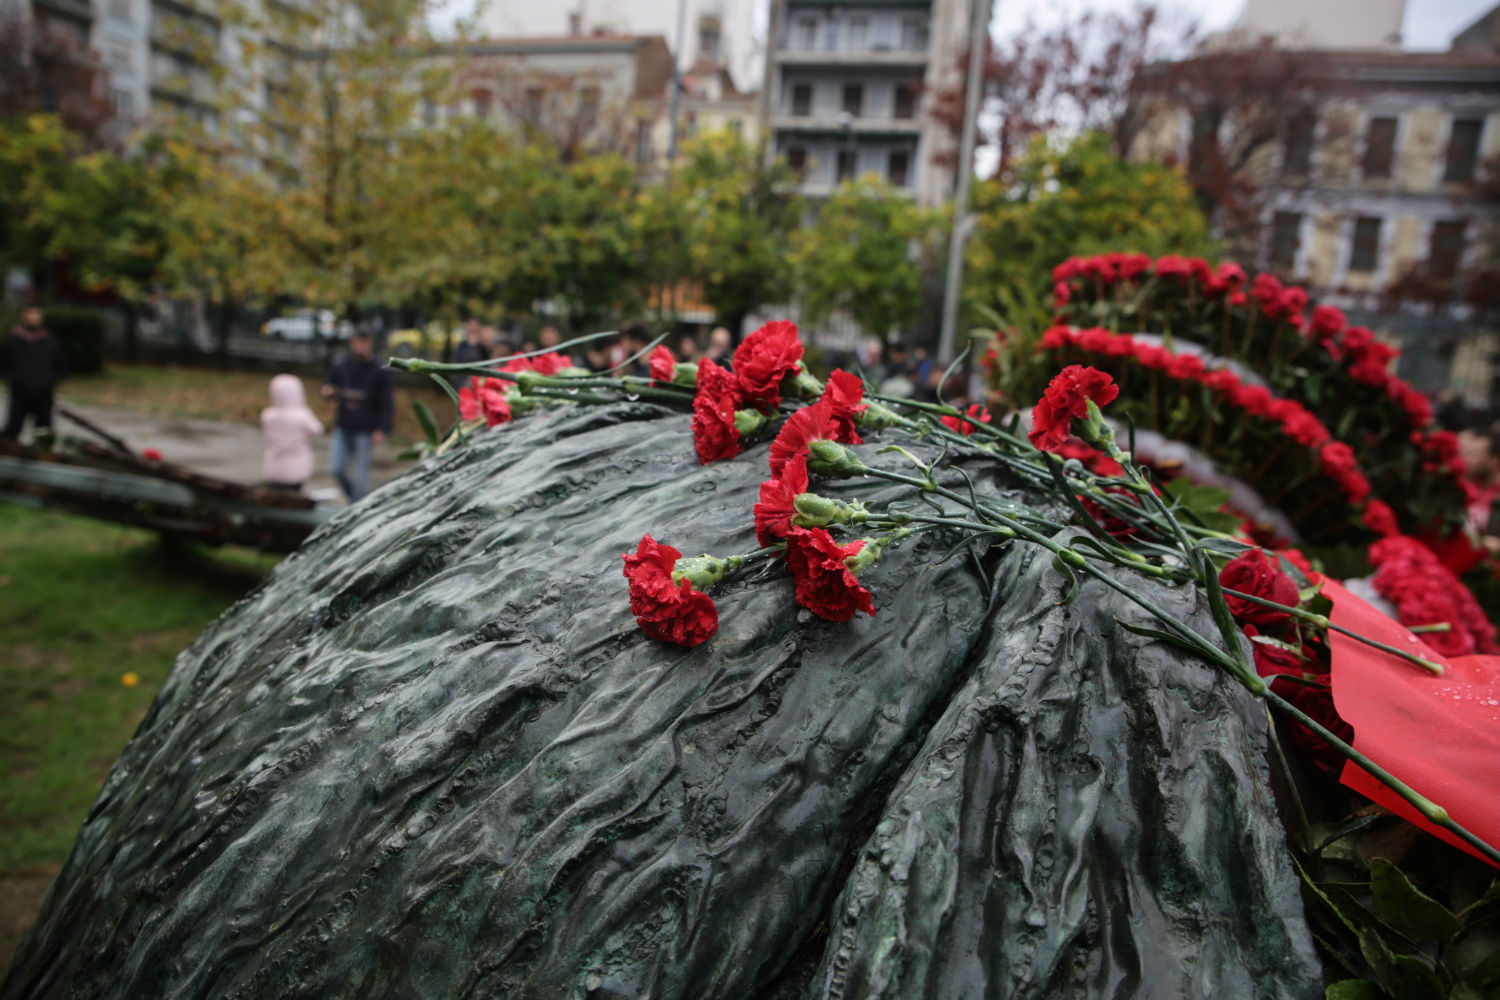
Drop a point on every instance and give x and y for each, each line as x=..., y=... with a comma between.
x=1447, y=249
x=1463, y=149
x=708, y=37
x=119, y=9
x=845, y=165
x=801, y=99
x=898, y=166
x=914, y=34
x=1297, y=150
x=483, y=102
x=854, y=98
x=806, y=34
x=1380, y=147
x=830, y=36
x=1364, y=253
x=796, y=158
x=534, y=104
x=117, y=57
x=859, y=32
x=1286, y=228
x=123, y=103
x=906, y=101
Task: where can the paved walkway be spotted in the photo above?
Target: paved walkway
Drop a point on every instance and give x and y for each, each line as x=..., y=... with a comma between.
x=212, y=447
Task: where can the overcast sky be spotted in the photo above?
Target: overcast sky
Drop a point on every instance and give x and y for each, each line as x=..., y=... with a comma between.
x=1428, y=24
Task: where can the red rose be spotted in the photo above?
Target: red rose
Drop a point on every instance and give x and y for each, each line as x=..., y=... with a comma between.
x=1066, y=270
x=1231, y=275
x=1092, y=458
x=1340, y=465
x=825, y=585
x=1297, y=559
x=1327, y=321
x=1185, y=367
x=1060, y=294
x=1266, y=290
x=1173, y=266
x=1316, y=701
x=667, y=611
x=1272, y=659
x=1065, y=399
x=774, y=512
x=714, y=433
x=1132, y=265
x=978, y=412
x=663, y=365
x=151, y=454
x=766, y=357
x=1254, y=574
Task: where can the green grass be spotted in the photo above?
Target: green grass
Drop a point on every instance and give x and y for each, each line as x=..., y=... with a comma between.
x=82, y=604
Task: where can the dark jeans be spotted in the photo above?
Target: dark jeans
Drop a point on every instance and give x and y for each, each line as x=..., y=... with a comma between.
x=34, y=403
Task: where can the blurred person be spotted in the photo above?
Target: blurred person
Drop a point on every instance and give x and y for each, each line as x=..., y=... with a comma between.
x=598, y=354
x=633, y=340
x=548, y=337
x=289, y=427
x=720, y=344
x=687, y=349
x=473, y=349
x=900, y=379
x=32, y=362
x=362, y=389
x=871, y=358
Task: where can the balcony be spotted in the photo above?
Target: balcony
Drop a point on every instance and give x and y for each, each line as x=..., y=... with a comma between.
x=838, y=124
x=80, y=11
x=196, y=39
x=849, y=56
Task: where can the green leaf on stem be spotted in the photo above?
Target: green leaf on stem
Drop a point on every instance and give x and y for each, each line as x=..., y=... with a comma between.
x=1407, y=909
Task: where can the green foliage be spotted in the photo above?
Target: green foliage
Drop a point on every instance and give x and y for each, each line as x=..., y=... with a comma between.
x=866, y=255
x=723, y=219
x=82, y=604
x=36, y=157
x=1074, y=199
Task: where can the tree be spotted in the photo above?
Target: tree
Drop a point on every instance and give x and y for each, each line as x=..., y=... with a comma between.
x=1076, y=197
x=866, y=256
x=738, y=214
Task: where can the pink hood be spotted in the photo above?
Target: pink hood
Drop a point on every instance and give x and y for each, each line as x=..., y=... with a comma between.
x=288, y=426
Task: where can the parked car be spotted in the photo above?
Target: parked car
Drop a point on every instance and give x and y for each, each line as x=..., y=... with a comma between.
x=426, y=342
x=307, y=324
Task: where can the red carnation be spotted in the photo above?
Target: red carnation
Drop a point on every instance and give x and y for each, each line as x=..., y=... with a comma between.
x=1272, y=659
x=714, y=433
x=1060, y=294
x=825, y=585
x=1316, y=701
x=1255, y=574
x=1092, y=458
x=774, y=512
x=1065, y=399
x=663, y=365
x=976, y=411
x=484, y=397
x=151, y=454
x=1327, y=321
x=766, y=357
x=550, y=363
x=1340, y=465
x=831, y=418
x=1379, y=518
x=1266, y=290
x=667, y=611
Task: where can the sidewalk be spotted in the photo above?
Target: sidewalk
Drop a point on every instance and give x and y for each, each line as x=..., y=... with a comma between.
x=211, y=447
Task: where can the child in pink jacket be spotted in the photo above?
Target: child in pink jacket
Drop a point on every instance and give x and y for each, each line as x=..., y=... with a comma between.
x=288, y=426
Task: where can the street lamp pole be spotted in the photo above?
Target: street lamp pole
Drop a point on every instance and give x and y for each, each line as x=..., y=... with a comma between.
x=677, y=79
x=979, y=29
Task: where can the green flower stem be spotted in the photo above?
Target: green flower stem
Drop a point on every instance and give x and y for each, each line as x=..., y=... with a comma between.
x=1322, y=621
x=1430, y=810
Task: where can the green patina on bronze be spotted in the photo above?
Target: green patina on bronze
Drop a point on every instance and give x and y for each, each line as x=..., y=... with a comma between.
x=433, y=757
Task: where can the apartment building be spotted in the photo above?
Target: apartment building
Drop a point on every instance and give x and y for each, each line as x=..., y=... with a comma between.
x=848, y=86
x=1373, y=184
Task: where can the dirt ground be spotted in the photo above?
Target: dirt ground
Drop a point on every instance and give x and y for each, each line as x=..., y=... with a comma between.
x=20, y=898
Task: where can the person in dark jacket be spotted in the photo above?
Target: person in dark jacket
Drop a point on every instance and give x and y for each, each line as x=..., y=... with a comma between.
x=362, y=389
x=32, y=362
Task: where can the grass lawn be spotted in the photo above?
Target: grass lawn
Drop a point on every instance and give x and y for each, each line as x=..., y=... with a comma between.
x=234, y=396
x=85, y=608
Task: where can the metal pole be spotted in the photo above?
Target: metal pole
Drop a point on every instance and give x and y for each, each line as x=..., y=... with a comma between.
x=677, y=79
x=979, y=30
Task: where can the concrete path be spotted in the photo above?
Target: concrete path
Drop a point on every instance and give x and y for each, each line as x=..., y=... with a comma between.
x=212, y=447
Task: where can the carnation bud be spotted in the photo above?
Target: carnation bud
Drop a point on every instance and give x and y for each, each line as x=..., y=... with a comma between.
x=814, y=511
x=868, y=554
x=877, y=417
x=747, y=422
x=801, y=385
x=829, y=458
x=704, y=571
x=573, y=371
x=685, y=373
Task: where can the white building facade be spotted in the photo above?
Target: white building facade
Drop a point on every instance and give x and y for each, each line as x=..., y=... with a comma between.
x=848, y=91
